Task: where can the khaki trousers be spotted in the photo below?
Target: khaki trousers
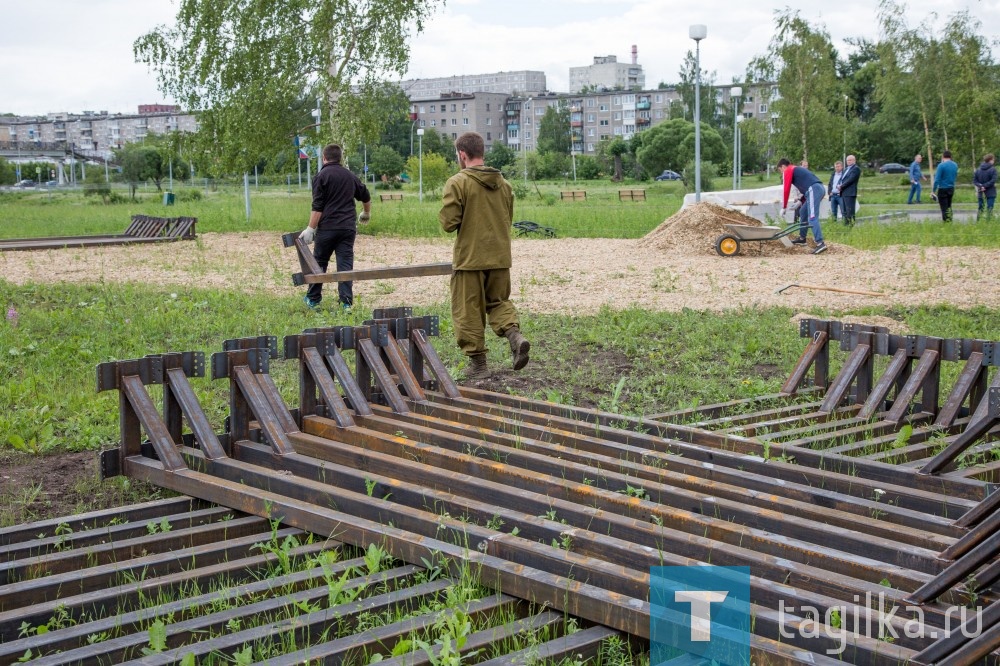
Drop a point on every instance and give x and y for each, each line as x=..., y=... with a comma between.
x=478, y=296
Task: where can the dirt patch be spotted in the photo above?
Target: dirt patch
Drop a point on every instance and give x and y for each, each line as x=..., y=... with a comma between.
x=35, y=487
x=567, y=276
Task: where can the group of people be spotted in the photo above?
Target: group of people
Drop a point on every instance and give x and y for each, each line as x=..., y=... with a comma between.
x=945, y=178
x=477, y=205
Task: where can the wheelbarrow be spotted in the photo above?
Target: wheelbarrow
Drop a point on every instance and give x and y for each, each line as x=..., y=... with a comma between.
x=728, y=244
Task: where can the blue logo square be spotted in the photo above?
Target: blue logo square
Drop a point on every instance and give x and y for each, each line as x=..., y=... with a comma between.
x=702, y=611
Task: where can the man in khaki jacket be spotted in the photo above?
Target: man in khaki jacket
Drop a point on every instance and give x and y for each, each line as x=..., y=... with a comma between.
x=478, y=204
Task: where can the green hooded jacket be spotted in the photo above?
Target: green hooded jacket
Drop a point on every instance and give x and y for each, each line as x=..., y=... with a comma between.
x=479, y=204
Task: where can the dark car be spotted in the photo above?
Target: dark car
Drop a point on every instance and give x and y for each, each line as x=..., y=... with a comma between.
x=668, y=175
x=27, y=182
x=892, y=167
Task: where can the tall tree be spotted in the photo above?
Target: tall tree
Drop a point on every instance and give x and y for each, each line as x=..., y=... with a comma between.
x=670, y=145
x=802, y=60
x=386, y=162
x=709, y=109
x=246, y=63
x=553, y=131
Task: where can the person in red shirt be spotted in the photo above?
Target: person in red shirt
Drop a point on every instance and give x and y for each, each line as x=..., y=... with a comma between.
x=811, y=187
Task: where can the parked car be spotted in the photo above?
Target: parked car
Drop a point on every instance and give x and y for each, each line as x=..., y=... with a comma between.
x=892, y=167
x=27, y=182
x=51, y=183
x=668, y=175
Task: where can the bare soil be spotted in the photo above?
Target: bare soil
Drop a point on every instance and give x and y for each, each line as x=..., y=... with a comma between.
x=578, y=276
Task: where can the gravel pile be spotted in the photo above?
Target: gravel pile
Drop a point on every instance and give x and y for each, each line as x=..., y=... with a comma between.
x=693, y=230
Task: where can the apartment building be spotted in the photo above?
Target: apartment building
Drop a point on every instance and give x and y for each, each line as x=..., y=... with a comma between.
x=95, y=133
x=452, y=114
x=606, y=73
x=513, y=83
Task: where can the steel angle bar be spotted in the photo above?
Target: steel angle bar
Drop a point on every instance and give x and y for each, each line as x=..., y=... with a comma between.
x=383, y=273
x=973, y=376
x=909, y=492
x=351, y=649
x=422, y=352
x=248, y=397
x=816, y=348
x=959, y=570
x=871, y=557
x=179, y=389
x=978, y=513
x=713, y=447
x=131, y=625
x=968, y=644
x=201, y=628
x=973, y=538
x=857, y=370
x=621, y=466
x=972, y=433
x=737, y=420
x=926, y=373
x=594, y=532
x=371, y=359
x=94, y=520
x=855, y=433
x=586, y=601
x=796, y=423
x=584, y=645
x=67, y=539
x=401, y=367
x=732, y=407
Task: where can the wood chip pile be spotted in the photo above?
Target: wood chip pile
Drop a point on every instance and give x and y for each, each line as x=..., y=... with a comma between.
x=693, y=230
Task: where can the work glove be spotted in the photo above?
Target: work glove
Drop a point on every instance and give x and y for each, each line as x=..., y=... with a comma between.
x=308, y=235
x=364, y=218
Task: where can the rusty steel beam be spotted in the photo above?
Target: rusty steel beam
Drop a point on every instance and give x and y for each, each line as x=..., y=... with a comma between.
x=972, y=433
x=386, y=273
x=817, y=346
x=857, y=368
x=927, y=367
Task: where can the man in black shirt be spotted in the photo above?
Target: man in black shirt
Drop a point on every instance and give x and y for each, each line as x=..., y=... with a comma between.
x=333, y=222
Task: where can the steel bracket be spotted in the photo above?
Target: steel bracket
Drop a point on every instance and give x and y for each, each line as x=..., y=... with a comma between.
x=148, y=369
x=224, y=363
x=268, y=342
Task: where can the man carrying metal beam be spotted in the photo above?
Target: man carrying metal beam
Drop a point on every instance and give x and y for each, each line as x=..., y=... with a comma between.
x=478, y=204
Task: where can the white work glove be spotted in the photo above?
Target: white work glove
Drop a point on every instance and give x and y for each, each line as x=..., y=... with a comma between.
x=308, y=235
x=364, y=218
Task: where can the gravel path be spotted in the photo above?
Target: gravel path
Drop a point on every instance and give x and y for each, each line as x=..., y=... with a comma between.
x=559, y=275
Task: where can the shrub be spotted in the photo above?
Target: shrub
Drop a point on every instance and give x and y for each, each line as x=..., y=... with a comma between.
x=708, y=172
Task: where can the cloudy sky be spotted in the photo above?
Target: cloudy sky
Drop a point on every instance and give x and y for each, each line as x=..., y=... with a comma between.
x=70, y=55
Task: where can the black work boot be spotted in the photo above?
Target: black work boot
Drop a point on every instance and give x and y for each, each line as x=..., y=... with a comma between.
x=519, y=346
x=477, y=368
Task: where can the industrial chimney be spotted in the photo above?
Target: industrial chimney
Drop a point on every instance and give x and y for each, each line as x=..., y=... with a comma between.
x=635, y=55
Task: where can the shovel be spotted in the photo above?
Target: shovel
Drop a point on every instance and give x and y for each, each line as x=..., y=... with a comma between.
x=837, y=289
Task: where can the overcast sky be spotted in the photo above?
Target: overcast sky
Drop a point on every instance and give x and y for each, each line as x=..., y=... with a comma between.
x=75, y=55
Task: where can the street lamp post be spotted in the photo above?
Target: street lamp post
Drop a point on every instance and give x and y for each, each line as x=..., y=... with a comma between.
x=573, y=155
x=734, y=93
x=845, y=128
x=739, y=150
x=697, y=33
x=420, y=161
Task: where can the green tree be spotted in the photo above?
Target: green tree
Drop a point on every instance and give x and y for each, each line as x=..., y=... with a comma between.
x=802, y=60
x=140, y=163
x=436, y=170
x=435, y=142
x=7, y=172
x=553, y=131
x=670, y=145
x=709, y=109
x=588, y=167
x=500, y=155
x=245, y=65
x=616, y=148
x=385, y=161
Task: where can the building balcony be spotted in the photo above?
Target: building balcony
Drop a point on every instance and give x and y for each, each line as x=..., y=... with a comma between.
x=642, y=105
x=513, y=126
x=642, y=121
x=576, y=123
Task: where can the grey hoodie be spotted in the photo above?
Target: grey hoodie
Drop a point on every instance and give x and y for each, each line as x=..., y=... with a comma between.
x=986, y=178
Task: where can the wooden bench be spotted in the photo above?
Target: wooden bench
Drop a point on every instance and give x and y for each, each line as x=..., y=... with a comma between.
x=631, y=195
x=574, y=195
x=392, y=196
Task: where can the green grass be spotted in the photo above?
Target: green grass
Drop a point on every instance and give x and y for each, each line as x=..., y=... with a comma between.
x=633, y=361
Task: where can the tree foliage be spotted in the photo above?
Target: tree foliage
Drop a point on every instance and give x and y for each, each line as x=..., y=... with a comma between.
x=670, y=145
x=499, y=156
x=436, y=171
x=385, y=161
x=140, y=163
x=708, y=108
x=553, y=131
x=247, y=66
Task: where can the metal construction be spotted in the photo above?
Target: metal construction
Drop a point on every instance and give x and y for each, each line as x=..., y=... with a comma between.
x=313, y=274
x=143, y=229
x=858, y=495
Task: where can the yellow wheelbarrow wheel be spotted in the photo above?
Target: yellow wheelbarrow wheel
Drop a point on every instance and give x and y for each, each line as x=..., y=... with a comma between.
x=727, y=245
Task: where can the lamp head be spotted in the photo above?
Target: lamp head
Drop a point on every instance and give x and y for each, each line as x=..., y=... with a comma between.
x=735, y=91
x=420, y=132
x=698, y=32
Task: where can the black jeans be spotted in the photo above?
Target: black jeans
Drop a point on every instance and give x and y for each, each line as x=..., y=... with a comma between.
x=328, y=242
x=849, y=205
x=944, y=195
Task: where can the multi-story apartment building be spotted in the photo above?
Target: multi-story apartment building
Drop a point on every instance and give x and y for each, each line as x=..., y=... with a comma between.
x=523, y=82
x=451, y=114
x=95, y=134
x=606, y=73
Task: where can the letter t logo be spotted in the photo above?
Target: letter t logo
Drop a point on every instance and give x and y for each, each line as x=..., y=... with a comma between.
x=701, y=610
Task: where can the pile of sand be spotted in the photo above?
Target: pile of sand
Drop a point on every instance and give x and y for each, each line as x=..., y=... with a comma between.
x=693, y=230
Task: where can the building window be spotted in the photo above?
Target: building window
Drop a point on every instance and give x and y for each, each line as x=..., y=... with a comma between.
x=590, y=147
x=539, y=110
x=617, y=101
x=465, y=107
x=454, y=121
x=527, y=134
x=489, y=121
x=618, y=115
x=512, y=134
x=423, y=123
x=453, y=107
x=465, y=121
x=618, y=131
x=628, y=99
x=489, y=137
x=590, y=102
x=763, y=108
x=590, y=117
x=604, y=122
x=434, y=123
x=659, y=99
x=591, y=132
x=630, y=114
x=487, y=106
x=434, y=108
x=604, y=107
x=454, y=136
